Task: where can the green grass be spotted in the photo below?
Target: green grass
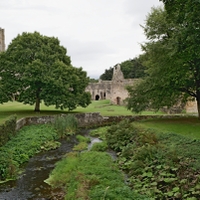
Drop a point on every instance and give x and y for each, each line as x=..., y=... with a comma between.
x=28, y=141
x=103, y=107
x=187, y=126
x=91, y=175
x=22, y=110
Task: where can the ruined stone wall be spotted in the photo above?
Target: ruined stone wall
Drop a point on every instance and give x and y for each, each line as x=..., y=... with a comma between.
x=114, y=90
x=2, y=40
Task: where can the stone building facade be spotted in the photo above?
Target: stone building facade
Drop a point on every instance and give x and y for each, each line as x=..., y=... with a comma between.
x=114, y=90
x=2, y=40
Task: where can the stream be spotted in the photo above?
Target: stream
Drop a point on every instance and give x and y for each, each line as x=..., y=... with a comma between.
x=30, y=185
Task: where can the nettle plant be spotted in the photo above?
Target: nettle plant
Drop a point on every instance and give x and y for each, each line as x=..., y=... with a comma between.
x=153, y=168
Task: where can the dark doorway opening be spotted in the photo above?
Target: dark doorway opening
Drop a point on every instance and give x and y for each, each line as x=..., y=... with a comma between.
x=97, y=97
x=118, y=100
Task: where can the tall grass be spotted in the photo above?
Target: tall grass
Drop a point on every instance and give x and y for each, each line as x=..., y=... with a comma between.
x=91, y=175
x=65, y=125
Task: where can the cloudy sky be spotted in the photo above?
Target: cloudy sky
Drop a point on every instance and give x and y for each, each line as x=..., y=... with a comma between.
x=97, y=33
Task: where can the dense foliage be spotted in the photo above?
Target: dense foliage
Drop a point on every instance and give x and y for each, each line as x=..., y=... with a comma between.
x=7, y=129
x=65, y=125
x=36, y=68
x=172, y=57
x=18, y=150
x=91, y=175
x=162, y=166
x=131, y=68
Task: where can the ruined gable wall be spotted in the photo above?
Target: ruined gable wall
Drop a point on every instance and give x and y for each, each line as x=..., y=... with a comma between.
x=2, y=40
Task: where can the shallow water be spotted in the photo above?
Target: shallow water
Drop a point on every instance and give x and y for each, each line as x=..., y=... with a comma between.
x=30, y=185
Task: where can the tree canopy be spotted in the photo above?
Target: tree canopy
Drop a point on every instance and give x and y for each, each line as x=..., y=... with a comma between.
x=172, y=57
x=131, y=68
x=36, y=68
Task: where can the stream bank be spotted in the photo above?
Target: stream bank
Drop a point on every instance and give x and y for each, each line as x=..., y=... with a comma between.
x=30, y=185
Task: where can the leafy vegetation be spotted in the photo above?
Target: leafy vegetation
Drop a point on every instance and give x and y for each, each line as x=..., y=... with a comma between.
x=27, y=142
x=90, y=175
x=65, y=125
x=162, y=166
x=171, y=55
x=131, y=68
x=35, y=68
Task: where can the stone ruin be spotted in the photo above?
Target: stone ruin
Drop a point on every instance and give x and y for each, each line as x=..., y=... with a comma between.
x=114, y=90
x=2, y=40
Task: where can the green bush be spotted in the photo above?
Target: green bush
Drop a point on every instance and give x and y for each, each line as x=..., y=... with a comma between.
x=81, y=138
x=162, y=166
x=7, y=129
x=121, y=134
x=24, y=145
x=65, y=125
x=91, y=175
x=99, y=146
x=99, y=132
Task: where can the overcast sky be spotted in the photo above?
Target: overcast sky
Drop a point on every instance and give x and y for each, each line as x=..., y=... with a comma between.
x=97, y=33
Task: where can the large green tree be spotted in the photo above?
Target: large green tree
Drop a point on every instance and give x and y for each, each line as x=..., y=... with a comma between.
x=131, y=68
x=36, y=68
x=172, y=56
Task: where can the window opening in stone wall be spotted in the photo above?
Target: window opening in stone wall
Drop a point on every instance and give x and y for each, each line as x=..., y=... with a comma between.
x=104, y=95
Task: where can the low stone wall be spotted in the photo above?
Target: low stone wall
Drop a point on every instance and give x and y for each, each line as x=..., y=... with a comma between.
x=84, y=120
x=87, y=120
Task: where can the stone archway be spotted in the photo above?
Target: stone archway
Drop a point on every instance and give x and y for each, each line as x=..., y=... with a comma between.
x=97, y=97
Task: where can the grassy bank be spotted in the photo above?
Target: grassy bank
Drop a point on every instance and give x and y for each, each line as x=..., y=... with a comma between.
x=103, y=107
x=19, y=149
x=160, y=165
x=91, y=175
x=186, y=126
x=30, y=140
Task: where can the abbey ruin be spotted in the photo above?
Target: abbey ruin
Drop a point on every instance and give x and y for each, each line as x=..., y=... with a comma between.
x=114, y=90
x=2, y=40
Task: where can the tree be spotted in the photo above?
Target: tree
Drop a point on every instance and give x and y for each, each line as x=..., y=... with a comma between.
x=107, y=75
x=131, y=68
x=36, y=68
x=171, y=56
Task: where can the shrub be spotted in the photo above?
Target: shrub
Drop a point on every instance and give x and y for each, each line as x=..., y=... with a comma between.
x=91, y=175
x=99, y=146
x=7, y=129
x=65, y=125
x=162, y=166
x=20, y=148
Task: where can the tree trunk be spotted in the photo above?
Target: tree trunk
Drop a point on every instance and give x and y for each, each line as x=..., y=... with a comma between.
x=37, y=101
x=198, y=103
x=37, y=105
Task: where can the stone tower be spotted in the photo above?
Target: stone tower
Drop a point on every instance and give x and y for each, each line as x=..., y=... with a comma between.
x=2, y=40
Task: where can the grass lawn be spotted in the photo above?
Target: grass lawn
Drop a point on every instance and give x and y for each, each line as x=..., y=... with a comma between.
x=21, y=110
x=187, y=126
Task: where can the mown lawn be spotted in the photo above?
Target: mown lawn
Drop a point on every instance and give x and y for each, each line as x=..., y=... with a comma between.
x=186, y=126
x=103, y=107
